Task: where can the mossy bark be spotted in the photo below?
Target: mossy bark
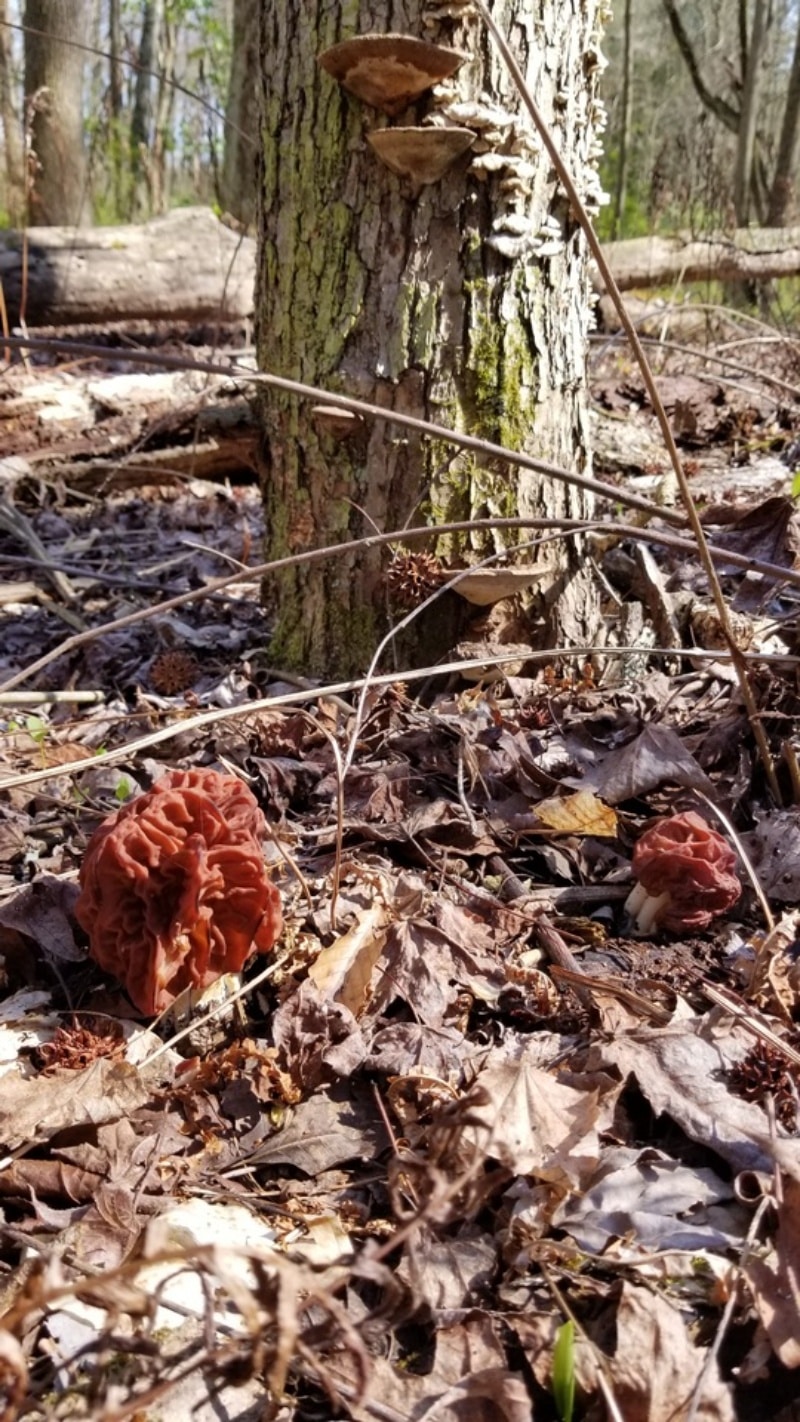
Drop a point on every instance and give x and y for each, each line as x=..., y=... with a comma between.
x=465, y=302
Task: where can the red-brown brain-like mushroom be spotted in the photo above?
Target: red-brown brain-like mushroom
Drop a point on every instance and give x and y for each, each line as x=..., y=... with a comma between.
x=174, y=888
x=686, y=875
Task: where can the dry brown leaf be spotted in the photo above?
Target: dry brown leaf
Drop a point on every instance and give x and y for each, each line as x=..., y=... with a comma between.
x=775, y=1281
x=344, y=969
x=682, y=1069
x=581, y=813
x=534, y=1125
x=36, y=1109
x=656, y=1366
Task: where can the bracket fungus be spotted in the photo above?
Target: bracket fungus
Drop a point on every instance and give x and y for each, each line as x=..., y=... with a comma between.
x=686, y=875
x=174, y=888
x=389, y=71
x=335, y=421
x=421, y=154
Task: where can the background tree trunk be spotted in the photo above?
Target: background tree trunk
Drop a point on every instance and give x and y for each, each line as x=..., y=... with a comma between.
x=13, y=203
x=238, y=195
x=53, y=87
x=753, y=65
x=625, y=119
x=142, y=120
x=465, y=302
x=784, y=183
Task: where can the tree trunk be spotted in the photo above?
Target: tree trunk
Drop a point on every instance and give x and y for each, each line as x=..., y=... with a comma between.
x=743, y=176
x=142, y=118
x=13, y=204
x=463, y=301
x=749, y=254
x=782, y=192
x=625, y=119
x=53, y=91
x=238, y=195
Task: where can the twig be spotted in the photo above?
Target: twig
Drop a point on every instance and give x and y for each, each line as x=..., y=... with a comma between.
x=376, y=540
x=744, y=857
x=295, y=698
x=57, y=698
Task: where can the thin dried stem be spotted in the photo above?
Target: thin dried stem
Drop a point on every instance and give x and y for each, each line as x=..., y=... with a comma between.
x=375, y=540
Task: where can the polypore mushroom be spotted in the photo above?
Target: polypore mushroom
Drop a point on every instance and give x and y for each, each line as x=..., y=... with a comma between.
x=685, y=872
x=389, y=71
x=421, y=154
x=335, y=421
x=174, y=889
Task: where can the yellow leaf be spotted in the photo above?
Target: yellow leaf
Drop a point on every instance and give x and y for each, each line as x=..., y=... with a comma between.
x=581, y=813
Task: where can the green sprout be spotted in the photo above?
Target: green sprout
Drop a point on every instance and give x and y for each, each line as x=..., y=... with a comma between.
x=564, y=1371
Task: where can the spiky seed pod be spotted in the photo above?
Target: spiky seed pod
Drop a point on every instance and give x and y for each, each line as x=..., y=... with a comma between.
x=411, y=577
x=173, y=671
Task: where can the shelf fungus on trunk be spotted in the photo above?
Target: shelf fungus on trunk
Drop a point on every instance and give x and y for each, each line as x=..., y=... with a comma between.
x=389, y=71
x=422, y=155
x=686, y=875
x=175, y=890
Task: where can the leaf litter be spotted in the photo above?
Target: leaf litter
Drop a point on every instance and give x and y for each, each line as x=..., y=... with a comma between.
x=462, y=1102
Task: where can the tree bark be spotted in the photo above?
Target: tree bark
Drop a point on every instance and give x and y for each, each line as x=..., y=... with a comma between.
x=625, y=119
x=14, y=200
x=743, y=176
x=53, y=93
x=238, y=195
x=463, y=301
x=142, y=120
x=782, y=192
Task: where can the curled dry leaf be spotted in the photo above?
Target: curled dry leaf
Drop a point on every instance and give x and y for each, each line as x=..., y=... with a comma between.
x=174, y=889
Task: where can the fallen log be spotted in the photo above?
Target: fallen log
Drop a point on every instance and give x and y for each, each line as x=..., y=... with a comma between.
x=748, y=254
x=188, y=266
x=185, y=266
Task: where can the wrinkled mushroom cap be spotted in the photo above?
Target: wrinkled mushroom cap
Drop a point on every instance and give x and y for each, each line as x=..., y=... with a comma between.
x=174, y=889
x=688, y=867
x=421, y=154
x=389, y=71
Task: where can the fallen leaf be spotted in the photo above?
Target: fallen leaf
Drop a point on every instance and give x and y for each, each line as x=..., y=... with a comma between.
x=656, y=1367
x=581, y=813
x=534, y=1125
x=35, y=1109
x=343, y=970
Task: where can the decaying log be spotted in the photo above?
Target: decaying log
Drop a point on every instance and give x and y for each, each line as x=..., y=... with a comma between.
x=102, y=431
x=185, y=266
x=749, y=254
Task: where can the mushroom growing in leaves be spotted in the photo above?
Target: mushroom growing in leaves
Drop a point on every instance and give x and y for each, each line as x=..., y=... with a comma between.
x=174, y=888
x=686, y=875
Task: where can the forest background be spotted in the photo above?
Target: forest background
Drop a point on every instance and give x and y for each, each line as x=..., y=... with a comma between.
x=703, y=103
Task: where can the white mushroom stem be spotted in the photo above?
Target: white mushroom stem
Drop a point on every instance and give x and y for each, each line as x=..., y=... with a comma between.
x=645, y=907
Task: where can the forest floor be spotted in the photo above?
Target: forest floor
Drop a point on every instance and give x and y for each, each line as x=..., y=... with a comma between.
x=467, y=1145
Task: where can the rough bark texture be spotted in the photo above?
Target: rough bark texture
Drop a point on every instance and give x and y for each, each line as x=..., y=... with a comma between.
x=13, y=201
x=238, y=195
x=403, y=298
x=53, y=85
x=186, y=266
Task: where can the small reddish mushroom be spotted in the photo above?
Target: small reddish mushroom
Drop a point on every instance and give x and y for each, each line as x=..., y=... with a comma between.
x=686, y=875
x=174, y=888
